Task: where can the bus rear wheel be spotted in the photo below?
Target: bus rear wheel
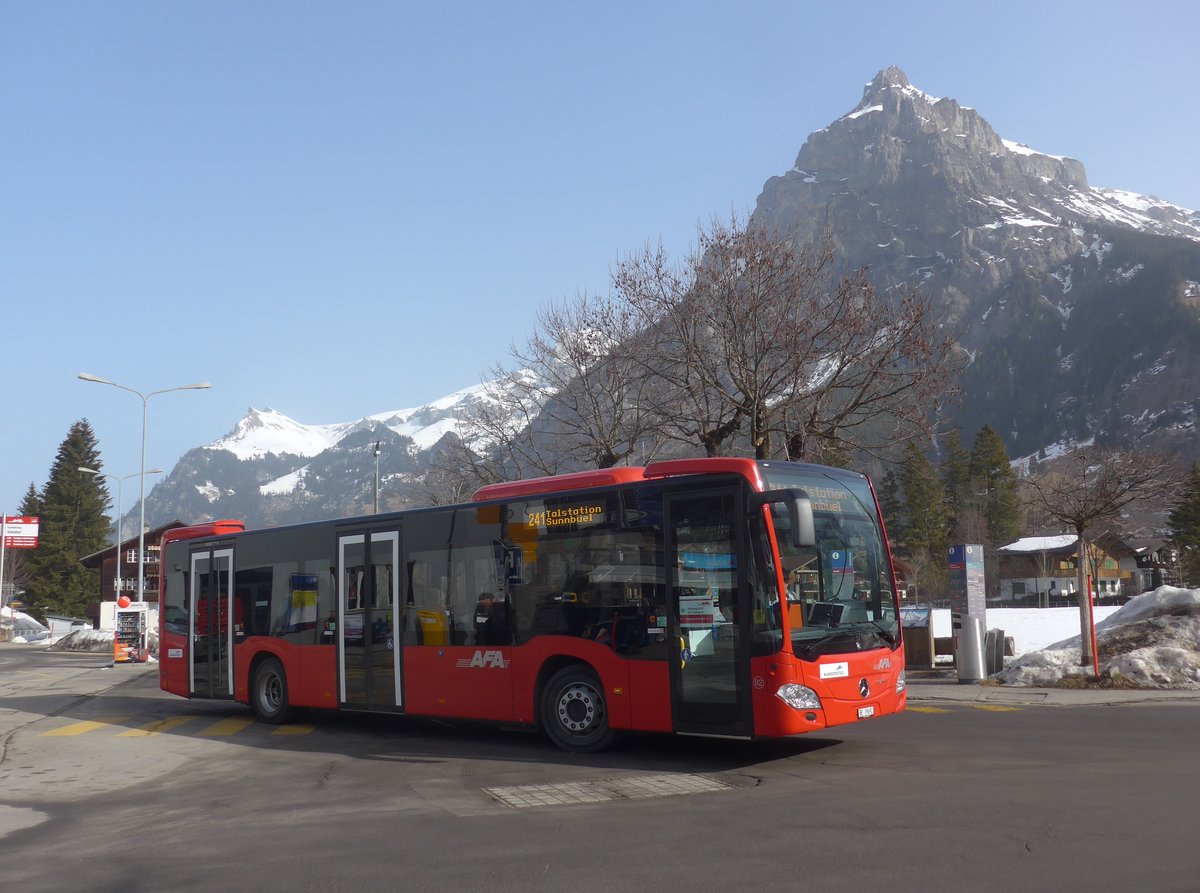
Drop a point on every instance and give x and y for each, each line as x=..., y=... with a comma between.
x=574, y=713
x=269, y=692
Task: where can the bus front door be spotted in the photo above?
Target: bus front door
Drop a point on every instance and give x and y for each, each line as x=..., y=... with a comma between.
x=369, y=652
x=710, y=626
x=210, y=624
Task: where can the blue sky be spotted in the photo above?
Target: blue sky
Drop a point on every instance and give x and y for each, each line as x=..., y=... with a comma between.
x=341, y=209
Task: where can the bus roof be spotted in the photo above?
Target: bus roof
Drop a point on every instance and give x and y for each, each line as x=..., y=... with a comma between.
x=210, y=528
x=580, y=480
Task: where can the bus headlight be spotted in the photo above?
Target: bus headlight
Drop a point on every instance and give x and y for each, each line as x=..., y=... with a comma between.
x=798, y=697
x=901, y=685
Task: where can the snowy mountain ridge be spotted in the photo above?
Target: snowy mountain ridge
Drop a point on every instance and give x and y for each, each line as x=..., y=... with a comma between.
x=270, y=432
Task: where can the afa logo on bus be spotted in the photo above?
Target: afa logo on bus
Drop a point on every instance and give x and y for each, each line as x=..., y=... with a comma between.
x=490, y=659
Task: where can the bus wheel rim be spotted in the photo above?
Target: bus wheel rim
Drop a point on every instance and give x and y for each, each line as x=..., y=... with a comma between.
x=580, y=708
x=272, y=694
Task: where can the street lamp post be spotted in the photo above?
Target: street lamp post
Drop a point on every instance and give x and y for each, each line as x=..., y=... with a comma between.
x=198, y=386
x=120, y=481
x=377, y=451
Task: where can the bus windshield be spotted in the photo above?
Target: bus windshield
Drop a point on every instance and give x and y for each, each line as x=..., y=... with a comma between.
x=839, y=592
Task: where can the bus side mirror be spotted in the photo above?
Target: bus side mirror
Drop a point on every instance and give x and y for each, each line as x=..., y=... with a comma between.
x=800, y=513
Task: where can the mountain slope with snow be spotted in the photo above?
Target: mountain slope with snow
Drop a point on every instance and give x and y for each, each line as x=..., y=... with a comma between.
x=1074, y=305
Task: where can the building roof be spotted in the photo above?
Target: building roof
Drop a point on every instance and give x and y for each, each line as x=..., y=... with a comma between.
x=1041, y=543
x=95, y=559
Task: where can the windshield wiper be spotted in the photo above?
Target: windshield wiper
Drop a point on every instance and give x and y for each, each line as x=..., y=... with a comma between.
x=810, y=651
x=810, y=648
x=884, y=633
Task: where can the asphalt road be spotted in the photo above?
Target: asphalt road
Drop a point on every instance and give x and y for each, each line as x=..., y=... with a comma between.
x=126, y=788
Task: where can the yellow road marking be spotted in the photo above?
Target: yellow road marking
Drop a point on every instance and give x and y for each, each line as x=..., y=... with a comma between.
x=293, y=729
x=229, y=726
x=157, y=727
x=994, y=708
x=87, y=725
x=926, y=710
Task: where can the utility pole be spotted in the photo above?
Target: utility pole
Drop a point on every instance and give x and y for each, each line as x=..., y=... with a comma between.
x=378, y=444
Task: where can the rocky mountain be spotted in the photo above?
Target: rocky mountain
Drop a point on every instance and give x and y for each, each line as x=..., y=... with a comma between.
x=1077, y=308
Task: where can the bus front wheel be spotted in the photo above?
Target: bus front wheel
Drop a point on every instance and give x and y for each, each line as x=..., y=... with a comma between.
x=269, y=692
x=574, y=712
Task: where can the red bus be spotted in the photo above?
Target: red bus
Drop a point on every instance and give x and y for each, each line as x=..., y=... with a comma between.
x=723, y=597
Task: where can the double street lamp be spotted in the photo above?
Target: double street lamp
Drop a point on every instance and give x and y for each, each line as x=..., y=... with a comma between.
x=199, y=386
x=120, y=481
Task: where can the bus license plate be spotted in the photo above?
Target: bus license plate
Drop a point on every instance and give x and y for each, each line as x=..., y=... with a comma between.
x=865, y=712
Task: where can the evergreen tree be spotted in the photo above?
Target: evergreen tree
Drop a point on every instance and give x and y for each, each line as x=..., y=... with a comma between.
x=1184, y=525
x=956, y=477
x=73, y=524
x=889, y=502
x=923, y=531
x=924, y=525
x=992, y=475
x=31, y=503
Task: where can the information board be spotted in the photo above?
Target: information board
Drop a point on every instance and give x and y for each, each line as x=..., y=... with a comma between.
x=20, y=532
x=967, y=592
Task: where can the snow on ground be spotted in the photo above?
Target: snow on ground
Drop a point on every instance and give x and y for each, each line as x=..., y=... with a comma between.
x=1031, y=629
x=25, y=628
x=1153, y=640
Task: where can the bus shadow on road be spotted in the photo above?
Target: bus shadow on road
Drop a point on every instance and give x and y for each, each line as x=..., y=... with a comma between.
x=423, y=739
x=388, y=738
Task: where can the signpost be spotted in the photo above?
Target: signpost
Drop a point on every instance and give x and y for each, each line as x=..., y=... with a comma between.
x=968, y=607
x=16, y=532
x=20, y=532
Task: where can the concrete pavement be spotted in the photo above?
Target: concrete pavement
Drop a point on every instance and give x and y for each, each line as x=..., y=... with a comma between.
x=36, y=683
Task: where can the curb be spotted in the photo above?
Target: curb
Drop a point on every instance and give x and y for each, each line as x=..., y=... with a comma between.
x=923, y=690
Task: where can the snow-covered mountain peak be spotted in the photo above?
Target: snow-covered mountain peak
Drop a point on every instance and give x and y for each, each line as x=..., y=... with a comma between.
x=269, y=431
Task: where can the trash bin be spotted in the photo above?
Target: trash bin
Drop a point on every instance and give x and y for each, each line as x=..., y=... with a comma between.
x=969, y=650
x=994, y=649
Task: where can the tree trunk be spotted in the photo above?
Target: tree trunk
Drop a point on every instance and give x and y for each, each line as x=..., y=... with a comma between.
x=1085, y=612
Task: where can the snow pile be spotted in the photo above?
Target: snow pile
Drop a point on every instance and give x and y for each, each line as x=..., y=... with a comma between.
x=85, y=640
x=1153, y=641
x=25, y=628
x=97, y=640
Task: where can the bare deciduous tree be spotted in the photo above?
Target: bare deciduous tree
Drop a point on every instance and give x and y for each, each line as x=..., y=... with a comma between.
x=570, y=397
x=1091, y=488
x=594, y=398
x=755, y=336
x=750, y=342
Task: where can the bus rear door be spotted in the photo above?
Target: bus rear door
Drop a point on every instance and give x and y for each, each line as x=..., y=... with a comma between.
x=369, y=651
x=210, y=624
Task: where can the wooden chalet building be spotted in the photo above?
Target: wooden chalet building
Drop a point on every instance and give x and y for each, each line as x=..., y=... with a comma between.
x=105, y=561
